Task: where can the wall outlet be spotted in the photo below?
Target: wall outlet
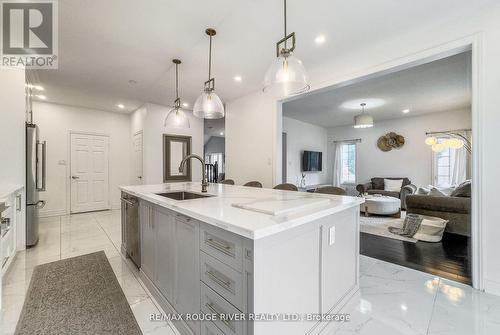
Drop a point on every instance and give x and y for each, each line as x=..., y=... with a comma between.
x=332, y=235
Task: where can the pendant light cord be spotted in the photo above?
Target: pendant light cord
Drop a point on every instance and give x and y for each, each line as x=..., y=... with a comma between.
x=284, y=16
x=177, y=81
x=210, y=60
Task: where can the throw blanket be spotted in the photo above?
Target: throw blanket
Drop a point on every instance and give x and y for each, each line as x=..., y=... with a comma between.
x=410, y=226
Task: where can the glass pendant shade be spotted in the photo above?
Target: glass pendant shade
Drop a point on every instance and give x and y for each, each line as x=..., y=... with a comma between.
x=176, y=118
x=286, y=76
x=208, y=106
x=363, y=121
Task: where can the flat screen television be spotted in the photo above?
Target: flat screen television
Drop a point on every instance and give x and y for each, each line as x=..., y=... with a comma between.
x=312, y=161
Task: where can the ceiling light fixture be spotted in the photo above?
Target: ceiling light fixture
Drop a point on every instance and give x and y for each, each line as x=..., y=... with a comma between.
x=221, y=134
x=121, y=106
x=286, y=76
x=176, y=118
x=238, y=78
x=405, y=111
x=363, y=120
x=209, y=105
x=320, y=39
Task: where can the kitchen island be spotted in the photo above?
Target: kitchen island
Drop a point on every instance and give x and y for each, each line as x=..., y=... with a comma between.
x=242, y=260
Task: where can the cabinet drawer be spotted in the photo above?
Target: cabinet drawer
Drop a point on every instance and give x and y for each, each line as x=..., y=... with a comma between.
x=222, y=279
x=209, y=328
x=212, y=303
x=222, y=245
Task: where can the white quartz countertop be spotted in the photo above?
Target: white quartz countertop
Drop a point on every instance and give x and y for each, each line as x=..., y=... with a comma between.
x=231, y=207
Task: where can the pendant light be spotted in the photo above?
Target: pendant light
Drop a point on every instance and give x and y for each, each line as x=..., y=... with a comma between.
x=176, y=117
x=209, y=105
x=286, y=76
x=363, y=120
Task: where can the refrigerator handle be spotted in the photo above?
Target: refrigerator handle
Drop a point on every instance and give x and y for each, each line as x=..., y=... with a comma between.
x=43, y=164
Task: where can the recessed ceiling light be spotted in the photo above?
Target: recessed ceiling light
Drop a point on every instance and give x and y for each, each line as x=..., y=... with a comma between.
x=320, y=39
x=185, y=104
x=221, y=134
x=405, y=111
x=238, y=78
x=42, y=97
x=121, y=106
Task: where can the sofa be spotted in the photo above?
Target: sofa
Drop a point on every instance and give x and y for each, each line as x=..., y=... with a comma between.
x=456, y=208
x=376, y=186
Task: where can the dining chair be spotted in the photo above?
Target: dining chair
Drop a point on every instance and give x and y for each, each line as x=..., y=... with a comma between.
x=331, y=190
x=253, y=184
x=286, y=187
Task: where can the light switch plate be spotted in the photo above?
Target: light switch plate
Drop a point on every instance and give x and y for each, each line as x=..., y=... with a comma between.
x=332, y=235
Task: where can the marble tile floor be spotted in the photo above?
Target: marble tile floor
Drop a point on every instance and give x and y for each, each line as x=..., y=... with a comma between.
x=394, y=300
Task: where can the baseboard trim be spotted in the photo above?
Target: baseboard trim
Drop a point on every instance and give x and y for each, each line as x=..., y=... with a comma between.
x=51, y=212
x=492, y=287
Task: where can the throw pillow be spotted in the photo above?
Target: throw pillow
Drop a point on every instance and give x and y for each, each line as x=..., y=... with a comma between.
x=423, y=191
x=436, y=193
x=463, y=190
x=393, y=185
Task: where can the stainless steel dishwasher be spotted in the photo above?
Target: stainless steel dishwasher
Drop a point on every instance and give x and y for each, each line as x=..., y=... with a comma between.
x=131, y=245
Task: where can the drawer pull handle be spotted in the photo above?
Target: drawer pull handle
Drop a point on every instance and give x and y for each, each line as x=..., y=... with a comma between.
x=224, y=283
x=219, y=246
x=212, y=308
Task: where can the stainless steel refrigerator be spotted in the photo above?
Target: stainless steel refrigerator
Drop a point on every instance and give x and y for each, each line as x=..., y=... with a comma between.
x=36, y=176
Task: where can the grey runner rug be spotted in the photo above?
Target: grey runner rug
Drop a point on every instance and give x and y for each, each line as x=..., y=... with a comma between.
x=79, y=295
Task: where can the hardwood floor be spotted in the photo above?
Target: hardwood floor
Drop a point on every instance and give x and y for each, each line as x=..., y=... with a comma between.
x=449, y=259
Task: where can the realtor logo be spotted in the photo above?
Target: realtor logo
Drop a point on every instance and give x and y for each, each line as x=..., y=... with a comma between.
x=29, y=34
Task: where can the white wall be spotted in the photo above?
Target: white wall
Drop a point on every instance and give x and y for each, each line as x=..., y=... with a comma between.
x=12, y=140
x=12, y=127
x=302, y=136
x=413, y=160
x=55, y=123
x=150, y=119
x=215, y=144
x=251, y=130
x=258, y=112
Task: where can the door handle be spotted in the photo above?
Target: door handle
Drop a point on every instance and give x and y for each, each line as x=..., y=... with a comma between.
x=75, y=177
x=140, y=177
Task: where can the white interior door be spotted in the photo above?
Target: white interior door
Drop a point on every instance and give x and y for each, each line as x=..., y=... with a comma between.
x=137, y=157
x=89, y=172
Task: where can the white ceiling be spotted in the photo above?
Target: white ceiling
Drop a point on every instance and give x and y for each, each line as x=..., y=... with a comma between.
x=442, y=85
x=104, y=44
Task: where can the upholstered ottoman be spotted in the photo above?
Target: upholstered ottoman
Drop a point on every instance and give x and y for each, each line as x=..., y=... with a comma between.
x=381, y=205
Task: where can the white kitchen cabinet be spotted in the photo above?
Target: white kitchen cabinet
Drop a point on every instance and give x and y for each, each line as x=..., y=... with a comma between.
x=187, y=276
x=164, y=223
x=148, y=242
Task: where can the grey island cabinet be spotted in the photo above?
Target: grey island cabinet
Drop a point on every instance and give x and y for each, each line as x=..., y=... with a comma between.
x=248, y=261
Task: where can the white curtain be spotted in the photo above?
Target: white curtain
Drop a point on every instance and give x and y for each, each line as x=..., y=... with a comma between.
x=337, y=164
x=460, y=171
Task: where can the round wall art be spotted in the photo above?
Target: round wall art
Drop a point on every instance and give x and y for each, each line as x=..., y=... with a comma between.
x=390, y=141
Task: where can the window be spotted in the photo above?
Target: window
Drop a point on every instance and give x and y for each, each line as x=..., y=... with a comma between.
x=442, y=169
x=348, y=163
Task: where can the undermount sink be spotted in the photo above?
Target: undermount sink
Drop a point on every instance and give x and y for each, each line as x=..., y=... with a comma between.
x=181, y=195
